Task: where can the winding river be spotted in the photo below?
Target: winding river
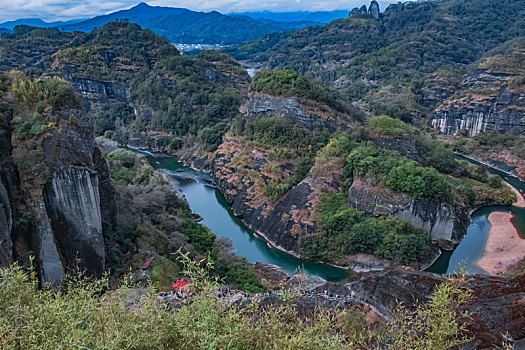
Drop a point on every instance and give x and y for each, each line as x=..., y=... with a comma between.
x=472, y=248
x=207, y=201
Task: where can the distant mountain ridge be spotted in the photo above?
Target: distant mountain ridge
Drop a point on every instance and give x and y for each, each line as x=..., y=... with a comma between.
x=35, y=22
x=320, y=17
x=179, y=25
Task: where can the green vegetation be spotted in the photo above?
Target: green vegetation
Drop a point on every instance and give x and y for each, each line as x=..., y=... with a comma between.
x=34, y=99
x=389, y=64
x=158, y=222
x=399, y=173
x=191, y=105
x=492, y=143
x=289, y=83
x=127, y=168
x=235, y=270
x=163, y=273
x=270, y=132
x=284, y=141
x=84, y=315
x=345, y=231
x=197, y=96
x=38, y=94
x=107, y=116
x=389, y=126
x=403, y=175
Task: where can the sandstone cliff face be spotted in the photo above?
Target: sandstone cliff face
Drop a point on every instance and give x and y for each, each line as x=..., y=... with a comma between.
x=283, y=222
x=71, y=214
x=6, y=223
x=405, y=147
x=289, y=108
x=73, y=206
x=447, y=225
x=70, y=196
x=98, y=90
x=484, y=102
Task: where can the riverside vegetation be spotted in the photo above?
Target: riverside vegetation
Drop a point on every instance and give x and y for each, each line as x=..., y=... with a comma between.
x=342, y=230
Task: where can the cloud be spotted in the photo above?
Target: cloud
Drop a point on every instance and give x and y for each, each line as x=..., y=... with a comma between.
x=57, y=10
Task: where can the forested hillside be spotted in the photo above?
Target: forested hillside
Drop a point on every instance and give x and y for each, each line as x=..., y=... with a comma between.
x=400, y=64
x=135, y=81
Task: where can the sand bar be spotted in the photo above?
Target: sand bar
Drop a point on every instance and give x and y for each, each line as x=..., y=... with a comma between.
x=504, y=246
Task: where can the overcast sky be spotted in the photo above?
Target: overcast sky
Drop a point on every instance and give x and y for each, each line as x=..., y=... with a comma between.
x=58, y=10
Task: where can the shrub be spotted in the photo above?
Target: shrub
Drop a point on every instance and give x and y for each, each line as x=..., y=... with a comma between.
x=176, y=143
x=344, y=231
x=393, y=127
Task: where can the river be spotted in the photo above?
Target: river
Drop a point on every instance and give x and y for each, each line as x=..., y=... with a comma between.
x=472, y=247
x=207, y=201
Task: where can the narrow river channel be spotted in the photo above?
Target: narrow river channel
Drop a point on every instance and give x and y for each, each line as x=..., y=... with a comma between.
x=207, y=201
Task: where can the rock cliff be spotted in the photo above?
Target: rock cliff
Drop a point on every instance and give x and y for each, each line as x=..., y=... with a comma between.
x=483, y=103
x=72, y=204
x=98, y=90
x=496, y=303
x=6, y=223
x=283, y=222
x=70, y=212
x=446, y=224
x=64, y=191
x=292, y=109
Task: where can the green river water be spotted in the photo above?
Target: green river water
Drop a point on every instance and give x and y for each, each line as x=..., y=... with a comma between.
x=472, y=247
x=207, y=201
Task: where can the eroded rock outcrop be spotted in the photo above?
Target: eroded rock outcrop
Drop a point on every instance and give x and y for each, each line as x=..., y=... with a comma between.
x=405, y=147
x=373, y=10
x=496, y=304
x=484, y=102
x=65, y=187
x=289, y=108
x=98, y=90
x=446, y=224
x=243, y=187
x=72, y=204
x=6, y=223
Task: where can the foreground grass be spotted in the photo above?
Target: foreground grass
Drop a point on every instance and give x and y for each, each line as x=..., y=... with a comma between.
x=84, y=315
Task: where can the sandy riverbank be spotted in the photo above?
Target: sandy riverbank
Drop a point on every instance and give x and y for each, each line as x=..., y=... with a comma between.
x=504, y=246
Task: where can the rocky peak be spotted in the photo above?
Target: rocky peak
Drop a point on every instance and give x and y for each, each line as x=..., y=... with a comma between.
x=373, y=10
x=363, y=12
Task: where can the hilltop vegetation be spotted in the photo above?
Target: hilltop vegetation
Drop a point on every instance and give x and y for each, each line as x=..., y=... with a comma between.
x=155, y=222
x=289, y=83
x=344, y=231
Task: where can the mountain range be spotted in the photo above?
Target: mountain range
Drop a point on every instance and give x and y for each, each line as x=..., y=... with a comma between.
x=181, y=25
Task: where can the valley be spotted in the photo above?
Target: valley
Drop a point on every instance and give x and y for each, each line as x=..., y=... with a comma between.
x=369, y=160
